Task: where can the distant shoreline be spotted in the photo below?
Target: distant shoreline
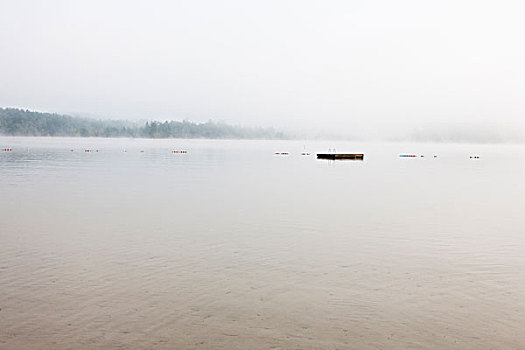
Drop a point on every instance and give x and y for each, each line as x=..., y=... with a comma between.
x=26, y=123
x=19, y=122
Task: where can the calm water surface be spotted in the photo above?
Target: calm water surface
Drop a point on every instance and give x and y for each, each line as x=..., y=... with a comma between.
x=232, y=247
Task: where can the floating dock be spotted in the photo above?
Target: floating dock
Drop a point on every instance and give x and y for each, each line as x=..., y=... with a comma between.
x=334, y=156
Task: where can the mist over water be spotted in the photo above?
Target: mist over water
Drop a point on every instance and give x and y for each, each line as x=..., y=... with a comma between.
x=201, y=244
x=230, y=246
x=294, y=65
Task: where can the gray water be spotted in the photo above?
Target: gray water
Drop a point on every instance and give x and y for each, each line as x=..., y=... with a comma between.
x=233, y=247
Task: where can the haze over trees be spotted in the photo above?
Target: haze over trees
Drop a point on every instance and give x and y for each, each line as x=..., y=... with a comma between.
x=19, y=122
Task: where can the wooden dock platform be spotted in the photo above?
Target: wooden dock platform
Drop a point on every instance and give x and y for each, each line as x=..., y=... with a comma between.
x=334, y=156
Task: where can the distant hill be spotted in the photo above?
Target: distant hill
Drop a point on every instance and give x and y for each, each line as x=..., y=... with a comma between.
x=19, y=122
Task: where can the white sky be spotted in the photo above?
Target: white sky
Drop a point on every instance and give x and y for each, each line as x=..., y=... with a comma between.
x=327, y=65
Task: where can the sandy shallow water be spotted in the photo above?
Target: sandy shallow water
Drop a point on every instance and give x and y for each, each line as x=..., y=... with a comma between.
x=232, y=247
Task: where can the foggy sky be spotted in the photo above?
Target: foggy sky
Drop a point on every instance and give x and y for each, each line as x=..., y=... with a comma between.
x=312, y=65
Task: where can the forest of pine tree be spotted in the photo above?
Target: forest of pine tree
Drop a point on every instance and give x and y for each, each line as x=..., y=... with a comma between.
x=19, y=122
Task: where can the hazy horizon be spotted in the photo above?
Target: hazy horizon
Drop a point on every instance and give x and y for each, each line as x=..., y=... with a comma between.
x=367, y=68
x=432, y=132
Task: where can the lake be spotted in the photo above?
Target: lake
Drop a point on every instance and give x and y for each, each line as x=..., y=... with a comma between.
x=230, y=246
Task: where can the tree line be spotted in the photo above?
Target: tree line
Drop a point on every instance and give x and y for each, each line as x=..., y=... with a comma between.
x=19, y=122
